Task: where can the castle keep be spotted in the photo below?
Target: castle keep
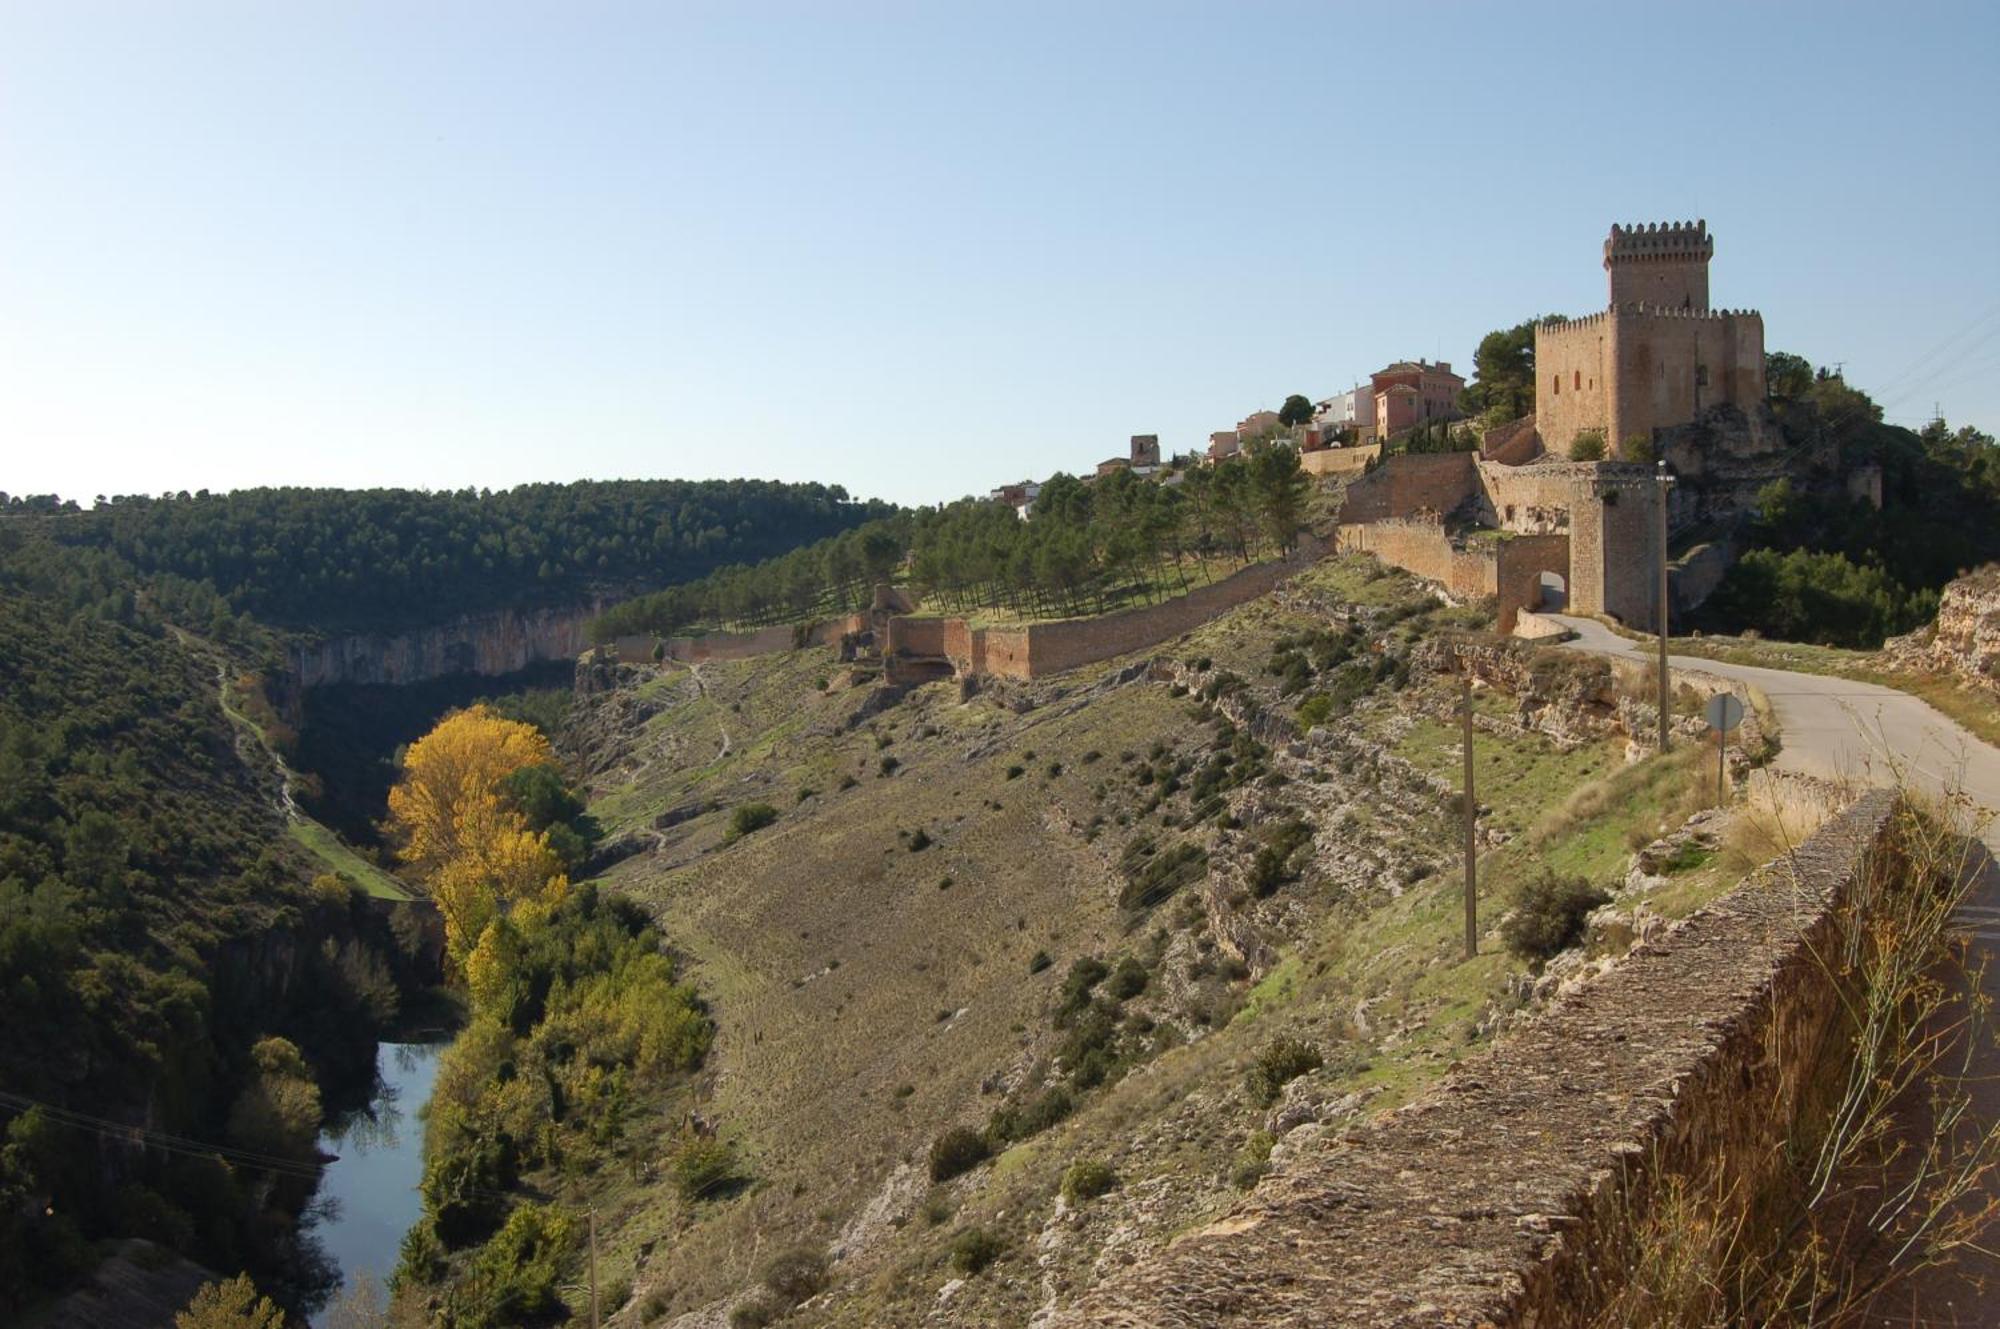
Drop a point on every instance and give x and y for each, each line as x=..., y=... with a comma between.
x=1657, y=356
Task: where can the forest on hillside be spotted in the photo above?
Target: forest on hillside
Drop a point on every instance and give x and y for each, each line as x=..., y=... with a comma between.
x=165, y=963
x=1086, y=543
x=384, y=559
x=1825, y=567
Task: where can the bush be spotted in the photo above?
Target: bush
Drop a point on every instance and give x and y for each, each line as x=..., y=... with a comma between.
x=1151, y=877
x=1548, y=916
x=1254, y=1161
x=1084, y=976
x=1282, y=1061
x=1129, y=979
x=920, y=841
x=1041, y=961
x=1272, y=866
x=973, y=1249
x=957, y=1151
x=748, y=820
x=1016, y=772
x=1314, y=711
x=1086, y=1180
x=795, y=1274
x=1588, y=445
x=705, y=1168
x=755, y=1311
x=887, y=766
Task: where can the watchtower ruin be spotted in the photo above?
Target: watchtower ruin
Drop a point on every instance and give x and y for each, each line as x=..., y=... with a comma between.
x=1657, y=356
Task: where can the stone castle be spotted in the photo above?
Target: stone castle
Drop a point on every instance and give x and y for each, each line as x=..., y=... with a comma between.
x=1657, y=356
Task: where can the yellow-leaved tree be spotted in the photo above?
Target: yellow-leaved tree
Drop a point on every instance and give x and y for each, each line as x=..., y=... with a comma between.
x=469, y=752
x=456, y=830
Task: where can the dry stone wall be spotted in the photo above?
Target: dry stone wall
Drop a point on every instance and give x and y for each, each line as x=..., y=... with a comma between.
x=1500, y=1196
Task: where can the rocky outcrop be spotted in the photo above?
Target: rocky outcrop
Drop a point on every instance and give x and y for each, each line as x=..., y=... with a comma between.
x=496, y=643
x=1965, y=639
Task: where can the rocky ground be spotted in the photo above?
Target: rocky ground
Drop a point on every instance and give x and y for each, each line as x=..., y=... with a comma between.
x=1267, y=880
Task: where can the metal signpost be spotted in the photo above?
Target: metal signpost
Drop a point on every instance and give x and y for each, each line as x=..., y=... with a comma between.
x=1723, y=712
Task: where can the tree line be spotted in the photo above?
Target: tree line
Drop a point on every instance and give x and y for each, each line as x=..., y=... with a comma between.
x=334, y=559
x=1086, y=545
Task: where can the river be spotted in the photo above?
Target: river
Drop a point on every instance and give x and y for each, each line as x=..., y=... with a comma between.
x=379, y=1161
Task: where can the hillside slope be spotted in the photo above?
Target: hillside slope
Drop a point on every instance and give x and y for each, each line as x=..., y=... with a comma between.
x=1103, y=918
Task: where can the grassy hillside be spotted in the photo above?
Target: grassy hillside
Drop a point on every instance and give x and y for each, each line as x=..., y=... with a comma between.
x=897, y=953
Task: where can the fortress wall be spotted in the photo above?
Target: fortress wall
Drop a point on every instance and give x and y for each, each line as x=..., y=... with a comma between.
x=915, y=636
x=1529, y=500
x=1502, y=1195
x=1006, y=652
x=1420, y=546
x=1519, y=565
x=1578, y=353
x=1657, y=351
x=1406, y=484
x=1340, y=461
x=1071, y=643
x=1515, y=443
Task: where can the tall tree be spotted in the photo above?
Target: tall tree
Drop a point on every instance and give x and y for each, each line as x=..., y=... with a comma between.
x=1504, y=372
x=1297, y=410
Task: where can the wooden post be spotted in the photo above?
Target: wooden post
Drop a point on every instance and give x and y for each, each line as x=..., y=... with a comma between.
x=1721, y=746
x=1666, y=712
x=1471, y=832
x=593, y=1269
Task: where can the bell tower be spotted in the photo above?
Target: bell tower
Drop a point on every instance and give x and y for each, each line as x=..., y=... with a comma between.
x=1661, y=264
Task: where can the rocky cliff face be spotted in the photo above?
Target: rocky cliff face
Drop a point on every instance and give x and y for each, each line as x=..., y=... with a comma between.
x=495, y=643
x=1965, y=640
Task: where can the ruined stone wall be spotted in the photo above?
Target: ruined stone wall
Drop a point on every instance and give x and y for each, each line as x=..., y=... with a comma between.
x=1529, y=500
x=1509, y=569
x=1406, y=484
x=1515, y=443
x=1501, y=1195
x=1517, y=576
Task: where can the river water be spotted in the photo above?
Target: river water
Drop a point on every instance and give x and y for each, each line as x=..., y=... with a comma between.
x=379, y=1162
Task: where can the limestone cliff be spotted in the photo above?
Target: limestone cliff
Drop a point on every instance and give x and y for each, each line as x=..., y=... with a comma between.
x=493, y=643
x=1965, y=639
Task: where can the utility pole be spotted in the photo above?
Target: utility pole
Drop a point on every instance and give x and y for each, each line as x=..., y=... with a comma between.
x=593, y=1269
x=1471, y=831
x=1661, y=481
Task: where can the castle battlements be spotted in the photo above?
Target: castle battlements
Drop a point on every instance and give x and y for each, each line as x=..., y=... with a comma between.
x=1561, y=323
x=1654, y=241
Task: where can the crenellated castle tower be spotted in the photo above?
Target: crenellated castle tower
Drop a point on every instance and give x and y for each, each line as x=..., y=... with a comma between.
x=1657, y=356
x=1665, y=266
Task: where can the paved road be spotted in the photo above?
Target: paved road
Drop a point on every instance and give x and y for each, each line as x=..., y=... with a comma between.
x=1840, y=729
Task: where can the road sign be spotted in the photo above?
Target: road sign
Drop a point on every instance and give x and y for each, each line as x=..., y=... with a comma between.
x=1724, y=711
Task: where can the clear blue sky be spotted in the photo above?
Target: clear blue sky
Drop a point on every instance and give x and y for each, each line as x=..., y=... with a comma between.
x=918, y=249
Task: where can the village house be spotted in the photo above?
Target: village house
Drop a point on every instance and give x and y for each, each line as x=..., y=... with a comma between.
x=1412, y=393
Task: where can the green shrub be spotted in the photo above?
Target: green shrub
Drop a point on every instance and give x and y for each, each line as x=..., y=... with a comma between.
x=748, y=820
x=1087, y=1179
x=1254, y=1160
x=1549, y=915
x=756, y=1311
x=1151, y=876
x=1282, y=1061
x=1588, y=445
x=1128, y=980
x=1273, y=867
x=1083, y=977
x=1314, y=711
x=973, y=1249
x=958, y=1150
x=887, y=767
x=1016, y=772
x=1041, y=961
x=920, y=841
x=1025, y=1121
x=705, y=1168
x=795, y=1274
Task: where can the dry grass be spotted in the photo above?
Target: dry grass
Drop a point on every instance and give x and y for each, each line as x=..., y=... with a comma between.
x=1884, y=1171
x=1777, y=815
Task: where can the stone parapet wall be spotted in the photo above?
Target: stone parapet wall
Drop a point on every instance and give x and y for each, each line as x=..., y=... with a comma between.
x=1507, y=569
x=1501, y=1196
